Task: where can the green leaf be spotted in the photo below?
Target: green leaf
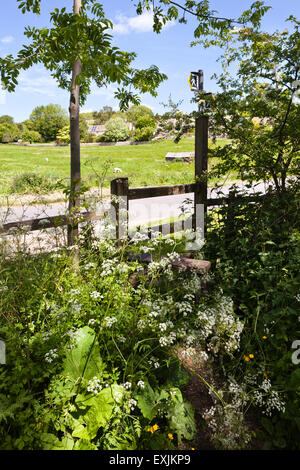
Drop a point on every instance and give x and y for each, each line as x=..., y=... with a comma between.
x=182, y=420
x=84, y=359
x=267, y=425
x=294, y=383
x=177, y=376
x=51, y=442
x=65, y=444
x=83, y=444
x=99, y=412
x=146, y=402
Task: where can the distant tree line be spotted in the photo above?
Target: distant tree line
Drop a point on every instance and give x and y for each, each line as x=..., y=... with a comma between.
x=51, y=124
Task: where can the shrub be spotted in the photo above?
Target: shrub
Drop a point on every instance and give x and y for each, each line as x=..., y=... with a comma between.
x=257, y=248
x=7, y=137
x=116, y=130
x=145, y=121
x=32, y=183
x=63, y=135
x=48, y=120
x=144, y=134
x=89, y=139
x=100, y=138
x=136, y=112
x=9, y=132
x=31, y=136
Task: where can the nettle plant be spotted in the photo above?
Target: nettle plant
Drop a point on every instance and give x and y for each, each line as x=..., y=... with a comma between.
x=257, y=107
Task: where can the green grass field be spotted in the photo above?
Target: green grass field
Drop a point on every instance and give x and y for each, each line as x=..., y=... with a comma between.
x=144, y=165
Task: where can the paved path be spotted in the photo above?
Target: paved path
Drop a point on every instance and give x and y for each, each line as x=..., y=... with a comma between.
x=141, y=211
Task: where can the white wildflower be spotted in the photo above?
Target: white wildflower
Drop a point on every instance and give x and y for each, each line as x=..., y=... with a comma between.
x=94, y=385
x=96, y=295
x=51, y=355
x=110, y=321
x=132, y=404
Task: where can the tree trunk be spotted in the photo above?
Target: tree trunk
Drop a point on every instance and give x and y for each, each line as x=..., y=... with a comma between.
x=74, y=199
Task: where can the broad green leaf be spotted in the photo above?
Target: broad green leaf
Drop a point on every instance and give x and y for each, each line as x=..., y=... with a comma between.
x=81, y=431
x=99, y=412
x=65, y=444
x=146, y=402
x=84, y=444
x=84, y=358
x=177, y=376
x=51, y=442
x=182, y=420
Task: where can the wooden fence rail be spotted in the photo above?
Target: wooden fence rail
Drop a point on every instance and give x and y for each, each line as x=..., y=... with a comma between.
x=123, y=194
x=157, y=191
x=119, y=187
x=50, y=222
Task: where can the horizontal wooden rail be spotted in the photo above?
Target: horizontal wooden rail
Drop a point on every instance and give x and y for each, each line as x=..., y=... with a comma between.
x=169, y=228
x=50, y=222
x=221, y=201
x=157, y=191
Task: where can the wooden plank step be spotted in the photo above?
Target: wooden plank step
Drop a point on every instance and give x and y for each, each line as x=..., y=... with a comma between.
x=184, y=262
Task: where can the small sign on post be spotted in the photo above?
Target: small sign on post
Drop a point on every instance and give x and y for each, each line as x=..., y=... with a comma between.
x=195, y=82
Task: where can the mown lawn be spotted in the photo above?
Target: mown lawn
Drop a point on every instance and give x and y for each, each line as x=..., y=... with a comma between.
x=144, y=165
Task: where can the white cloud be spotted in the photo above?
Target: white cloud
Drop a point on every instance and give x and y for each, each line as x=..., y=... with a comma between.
x=137, y=24
x=41, y=84
x=153, y=108
x=107, y=93
x=7, y=39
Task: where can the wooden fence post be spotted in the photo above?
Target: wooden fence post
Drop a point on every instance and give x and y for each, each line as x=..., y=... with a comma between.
x=201, y=164
x=119, y=189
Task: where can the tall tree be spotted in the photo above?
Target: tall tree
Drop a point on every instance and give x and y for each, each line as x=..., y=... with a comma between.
x=77, y=49
x=75, y=134
x=208, y=20
x=48, y=120
x=257, y=106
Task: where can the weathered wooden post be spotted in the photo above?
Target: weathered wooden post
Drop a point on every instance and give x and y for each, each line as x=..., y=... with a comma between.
x=119, y=193
x=201, y=159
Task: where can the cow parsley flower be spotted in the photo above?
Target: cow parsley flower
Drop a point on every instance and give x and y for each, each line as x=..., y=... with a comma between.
x=110, y=321
x=51, y=355
x=94, y=385
x=96, y=295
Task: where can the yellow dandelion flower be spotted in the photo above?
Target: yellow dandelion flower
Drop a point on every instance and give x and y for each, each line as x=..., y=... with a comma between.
x=251, y=356
x=246, y=358
x=170, y=436
x=155, y=427
x=264, y=337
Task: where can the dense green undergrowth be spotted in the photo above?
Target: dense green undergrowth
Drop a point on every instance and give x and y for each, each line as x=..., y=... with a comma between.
x=91, y=360
x=255, y=249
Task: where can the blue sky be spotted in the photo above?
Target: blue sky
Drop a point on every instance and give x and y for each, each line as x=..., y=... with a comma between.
x=170, y=51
